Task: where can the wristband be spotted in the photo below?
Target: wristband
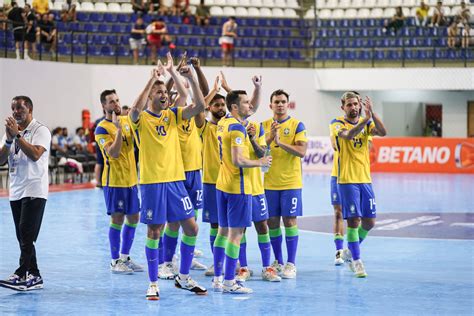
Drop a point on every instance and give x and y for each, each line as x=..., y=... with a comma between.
x=9, y=142
x=8, y=145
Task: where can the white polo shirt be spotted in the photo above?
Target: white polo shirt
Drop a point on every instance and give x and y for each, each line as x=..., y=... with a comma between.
x=29, y=178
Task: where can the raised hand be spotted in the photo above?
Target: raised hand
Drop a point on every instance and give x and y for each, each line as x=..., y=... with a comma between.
x=224, y=82
x=274, y=131
x=367, y=107
x=11, y=126
x=186, y=72
x=160, y=69
x=252, y=131
x=169, y=63
x=195, y=62
x=257, y=81
x=115, y=119
x=183, y=61
x=218, y=83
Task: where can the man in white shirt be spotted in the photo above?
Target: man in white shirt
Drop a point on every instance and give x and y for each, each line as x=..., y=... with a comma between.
x=25, y=146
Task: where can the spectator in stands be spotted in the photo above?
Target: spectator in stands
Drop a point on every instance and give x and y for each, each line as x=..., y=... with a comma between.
x=139, y=6
x=438, y=18
x=68, y=11
x=18, y=19
x=202, y=15
x=229, y=33
x=467, y=36
x=67, y=139
x=422, y=14
x=79, y=141
x=41, y=6
x=30, y=31
x=46, y=33
x=125, y=110
x=463, y=13
x=137, y=38
x=158, y=36
x=180, y=6
x=59, y=145
x=396, y=22
x=3, y=17
x=453, y=32
x=157, y=6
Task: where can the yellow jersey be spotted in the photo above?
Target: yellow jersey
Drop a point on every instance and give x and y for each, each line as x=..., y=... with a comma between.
x=285, y=172
x=256, y=177
x=158, y=142
x=191, y=145
x=232, y=179
x=122, y=171
x=41, y=6
x=353, y=155
x=210, y=152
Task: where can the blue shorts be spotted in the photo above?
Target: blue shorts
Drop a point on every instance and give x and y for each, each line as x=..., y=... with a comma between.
x=209, y=210
x=284, y=202
x=165, y=202
x=193, y=185
x=335, y=196
x=98, y=156
x=259, y=208
x=358, y=200
x=234, y=210
x=121, y=200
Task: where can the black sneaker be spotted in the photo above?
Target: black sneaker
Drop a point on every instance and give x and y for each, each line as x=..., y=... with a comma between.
x=34, y=282
x=14, y=282
x=189, y=285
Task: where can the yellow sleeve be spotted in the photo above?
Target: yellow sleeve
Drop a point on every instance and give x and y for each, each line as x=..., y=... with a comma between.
x=370, y=127
x=237, y=135
x=335, y=127
x=261, y=135
x=300, y=134
x=102, y=137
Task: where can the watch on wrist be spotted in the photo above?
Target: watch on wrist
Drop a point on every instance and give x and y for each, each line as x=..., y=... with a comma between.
x=18, y=136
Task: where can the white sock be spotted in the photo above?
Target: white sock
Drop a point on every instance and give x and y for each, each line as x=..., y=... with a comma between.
x=124, y=257
x=183, y=276
x=229, y=282
x=114, y=261
x=17, y=51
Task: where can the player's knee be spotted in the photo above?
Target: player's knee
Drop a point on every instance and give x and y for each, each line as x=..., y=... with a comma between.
x=173, y=226
x=133, y=219
x=117, y=219
x=338, y=212
x=289, y=221
x=261, y=227
x=353, y=222
x=368, y=223
x=274, y=222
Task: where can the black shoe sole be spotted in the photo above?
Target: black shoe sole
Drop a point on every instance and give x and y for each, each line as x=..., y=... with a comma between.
x=19, y=288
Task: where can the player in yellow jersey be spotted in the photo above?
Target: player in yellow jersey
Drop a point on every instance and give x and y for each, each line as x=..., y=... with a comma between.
x=354, y=182
x=283, y=183
x=114, y=137
x=164, y=197
x=234, y=189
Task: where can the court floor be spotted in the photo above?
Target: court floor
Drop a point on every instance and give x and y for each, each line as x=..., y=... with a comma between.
x=419, y=259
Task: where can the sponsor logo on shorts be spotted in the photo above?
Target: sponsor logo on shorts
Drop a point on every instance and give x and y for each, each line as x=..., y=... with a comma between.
x=292, y=211
x=120, y=204
x=187, y=213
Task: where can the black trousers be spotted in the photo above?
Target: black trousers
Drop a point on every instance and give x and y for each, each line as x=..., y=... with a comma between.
x=28, y=215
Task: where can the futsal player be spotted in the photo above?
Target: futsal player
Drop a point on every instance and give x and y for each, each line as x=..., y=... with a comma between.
x=164, y=197
x=354, y=181
x=283, y=183
x=114, y=137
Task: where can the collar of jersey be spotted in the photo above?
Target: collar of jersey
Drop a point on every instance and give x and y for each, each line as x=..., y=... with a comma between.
x=280, y=122
x=107, y=120
x=153, y=114
x=350, y=122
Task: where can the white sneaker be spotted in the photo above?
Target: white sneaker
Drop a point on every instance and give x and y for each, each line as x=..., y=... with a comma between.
x=338, y=260
x=289, y=271
x=198, y=253
x=243, y=275
x=209, y=271
x=164, y=272
x=120, y=268
x=235, y=288
x=270, y=274
x=217, y=283
x=153, y=292
x=133, y=265
x=278, y=267
x=175, y=265
x=347, y=257
x=196, y=265
x=189, y=285
x=359, y=269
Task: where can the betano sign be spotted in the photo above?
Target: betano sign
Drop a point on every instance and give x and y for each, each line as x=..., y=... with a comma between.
x=416, y=154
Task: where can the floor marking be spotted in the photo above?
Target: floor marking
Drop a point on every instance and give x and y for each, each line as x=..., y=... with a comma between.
x=408, y=223
x=469, y=225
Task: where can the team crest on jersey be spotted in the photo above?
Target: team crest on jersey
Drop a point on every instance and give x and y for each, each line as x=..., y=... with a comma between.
x=353, y=208
x=338, y=127
x=286, y=131
x=127, y=128
x=102, y=141
x=238, y=141
x=149, y=214
x=120, y=205
x=166, y=119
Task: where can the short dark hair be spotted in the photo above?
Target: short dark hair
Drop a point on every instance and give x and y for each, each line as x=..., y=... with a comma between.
x=125, y=107
x=78, y=129
x=25, y=99
x=232, y=18
x=279, y=92
x=104, y=95
x=233, y=97
x=217, y=97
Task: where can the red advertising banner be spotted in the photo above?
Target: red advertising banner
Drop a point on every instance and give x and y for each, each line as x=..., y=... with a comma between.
x=424, y=155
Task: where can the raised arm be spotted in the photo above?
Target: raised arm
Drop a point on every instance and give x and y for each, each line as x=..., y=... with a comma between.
x=257, y=92
x=182, y=62
x=141, y=102
x=225, y=85
x=198, y=104
x=350, y=134
x=215, y=89
x=33, y=152
x=379, y=129
x=182, y=91
x=200, y=75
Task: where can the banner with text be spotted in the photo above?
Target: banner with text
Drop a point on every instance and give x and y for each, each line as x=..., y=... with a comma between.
x=412, y=154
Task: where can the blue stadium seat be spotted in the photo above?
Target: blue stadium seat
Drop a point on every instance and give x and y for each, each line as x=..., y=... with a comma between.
x=104, y=28
x=335, y=55
x=64, y=50
x=297, y=43
x=99, y=39
x=322, y=55
x=210, y=41
x=110, y=17
x=79, y=50
x=66, y=39
x=363, y=55
x=198, y=30
x=173, y=30
x=112, y=39
x=96, y=17
x=185, y=30
x=90, y=27
x=296, y=55
x=107, y=51
x=264, y=22
x=349, y=55
x=271, y=54
x=243, y=54
x=123, y=51
x=257, y=54
x=249, y=32
x=273, y=43
x=124, y=18
x=379, y=55
x=82, y=16
x=283, y=54
x=274, y=32
x=118, y=28
x=276, y=22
